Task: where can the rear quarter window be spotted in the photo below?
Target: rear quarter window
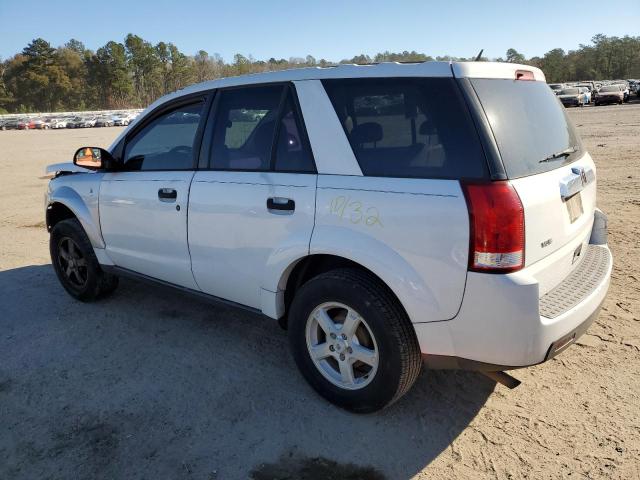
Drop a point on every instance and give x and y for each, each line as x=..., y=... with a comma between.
x=404, y=127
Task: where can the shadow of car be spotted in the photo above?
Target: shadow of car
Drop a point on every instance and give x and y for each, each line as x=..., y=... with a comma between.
x=151, y=380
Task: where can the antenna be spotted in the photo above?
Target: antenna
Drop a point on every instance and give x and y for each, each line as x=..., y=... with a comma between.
x=479, y=56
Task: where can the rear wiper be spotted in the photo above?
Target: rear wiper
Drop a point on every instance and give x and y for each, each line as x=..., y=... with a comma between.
x=561, y=154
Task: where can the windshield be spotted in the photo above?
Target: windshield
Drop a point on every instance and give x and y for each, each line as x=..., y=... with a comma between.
x=570, y=91
x=529, y=125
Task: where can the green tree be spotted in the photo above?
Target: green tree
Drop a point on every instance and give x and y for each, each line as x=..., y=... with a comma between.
x=513, y=56
x=145, y=67
x=43, y=84
x=109, y=76
x=76, y=46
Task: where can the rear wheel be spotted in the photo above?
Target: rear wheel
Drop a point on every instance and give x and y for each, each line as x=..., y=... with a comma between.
x=75, y=263
x=352, y=341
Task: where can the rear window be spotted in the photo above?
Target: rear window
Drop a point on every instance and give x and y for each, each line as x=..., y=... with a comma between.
x=529, y=124
x=402, y=127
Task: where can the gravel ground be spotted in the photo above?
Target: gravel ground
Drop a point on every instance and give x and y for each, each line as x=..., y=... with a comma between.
x=152, y=384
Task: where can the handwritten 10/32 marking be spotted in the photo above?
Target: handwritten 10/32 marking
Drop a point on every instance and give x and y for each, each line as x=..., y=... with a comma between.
x=355, y=211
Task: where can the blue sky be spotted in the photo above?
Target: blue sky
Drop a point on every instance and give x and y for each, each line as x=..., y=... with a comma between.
x=325, y=29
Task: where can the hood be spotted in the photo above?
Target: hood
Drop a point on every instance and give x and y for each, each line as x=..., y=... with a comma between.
x=67, y=167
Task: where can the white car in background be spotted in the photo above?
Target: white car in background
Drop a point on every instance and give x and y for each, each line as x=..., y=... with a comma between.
x=120, y=120
x=87, y=122
x=58, y=123
x=386, y=215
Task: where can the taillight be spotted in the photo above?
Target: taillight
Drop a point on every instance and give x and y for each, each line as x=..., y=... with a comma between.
x=497, y=227
x=524, y=75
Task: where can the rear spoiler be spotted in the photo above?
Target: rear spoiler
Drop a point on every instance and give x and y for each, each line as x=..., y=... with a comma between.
x=508, y=71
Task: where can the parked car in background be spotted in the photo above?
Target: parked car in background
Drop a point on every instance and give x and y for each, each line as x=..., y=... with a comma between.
x=104, y=122
x=589, y=90
x=74, y=122
x=11, y=124
x=626, y=93
x=587, y=93
x=573, y=97
x=26, y=124
x=609, y=94
x=123, y=119
x=556, y=87
x=42, y=123
x=57, y=123
x=385, y=215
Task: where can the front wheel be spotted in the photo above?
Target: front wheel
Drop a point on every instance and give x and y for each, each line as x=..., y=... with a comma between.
x=353, y=341
x=75, y=263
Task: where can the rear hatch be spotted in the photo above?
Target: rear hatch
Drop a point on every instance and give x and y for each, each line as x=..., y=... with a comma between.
x=547, y=165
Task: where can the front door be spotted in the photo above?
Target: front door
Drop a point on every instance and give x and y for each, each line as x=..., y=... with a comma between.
x=143, y=208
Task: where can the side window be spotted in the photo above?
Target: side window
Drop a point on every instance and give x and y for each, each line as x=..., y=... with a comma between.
x=401, y=127
x=292, y=150
x=245, y=126
x=166, y=143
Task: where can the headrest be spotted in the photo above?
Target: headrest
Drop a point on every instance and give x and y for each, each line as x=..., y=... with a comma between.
x=366, y=133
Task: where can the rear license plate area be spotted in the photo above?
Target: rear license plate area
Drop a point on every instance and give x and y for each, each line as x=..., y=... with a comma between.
x=574, y=207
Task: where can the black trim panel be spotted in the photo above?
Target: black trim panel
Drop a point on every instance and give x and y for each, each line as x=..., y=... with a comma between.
x=115, y=270
x=487, y=140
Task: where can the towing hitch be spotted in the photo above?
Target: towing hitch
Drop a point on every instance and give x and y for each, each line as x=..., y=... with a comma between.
x=503, y=378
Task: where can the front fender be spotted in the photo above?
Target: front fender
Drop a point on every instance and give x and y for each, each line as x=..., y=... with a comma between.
x=80, y=195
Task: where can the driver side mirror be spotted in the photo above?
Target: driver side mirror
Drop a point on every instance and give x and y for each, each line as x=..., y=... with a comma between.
x=93, y=158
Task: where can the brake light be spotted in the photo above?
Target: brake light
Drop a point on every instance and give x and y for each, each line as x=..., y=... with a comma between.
x=496, y=232
x=524, y=75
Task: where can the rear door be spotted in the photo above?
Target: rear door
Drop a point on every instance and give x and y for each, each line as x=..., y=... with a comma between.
x=549, y=168
x=143, y=207
x=252, y=208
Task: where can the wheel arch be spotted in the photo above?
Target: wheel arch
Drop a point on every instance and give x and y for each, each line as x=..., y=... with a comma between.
x=65, y=203
x=310, y=266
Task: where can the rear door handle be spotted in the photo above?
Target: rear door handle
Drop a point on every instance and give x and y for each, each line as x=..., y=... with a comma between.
x=167, y=194
x=280, y=203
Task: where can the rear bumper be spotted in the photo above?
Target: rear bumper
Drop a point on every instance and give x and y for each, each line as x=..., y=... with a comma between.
x=503, y=323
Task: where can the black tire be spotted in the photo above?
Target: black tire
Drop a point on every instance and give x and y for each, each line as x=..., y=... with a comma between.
x=87, y=281
x=399, y=361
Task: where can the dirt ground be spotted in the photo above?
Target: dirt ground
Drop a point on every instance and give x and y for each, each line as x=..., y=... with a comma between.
x=153, y=384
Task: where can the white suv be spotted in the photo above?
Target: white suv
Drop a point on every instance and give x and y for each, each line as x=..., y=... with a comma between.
x=387, y=215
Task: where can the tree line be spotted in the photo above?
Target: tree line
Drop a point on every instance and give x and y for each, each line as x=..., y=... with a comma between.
x=135, y=72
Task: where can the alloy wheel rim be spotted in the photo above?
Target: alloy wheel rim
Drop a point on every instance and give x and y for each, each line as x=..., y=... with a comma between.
x=72, y=262
x=342, y=346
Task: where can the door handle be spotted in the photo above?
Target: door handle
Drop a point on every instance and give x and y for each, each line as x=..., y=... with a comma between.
x=167, y=194
x=280, y=203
